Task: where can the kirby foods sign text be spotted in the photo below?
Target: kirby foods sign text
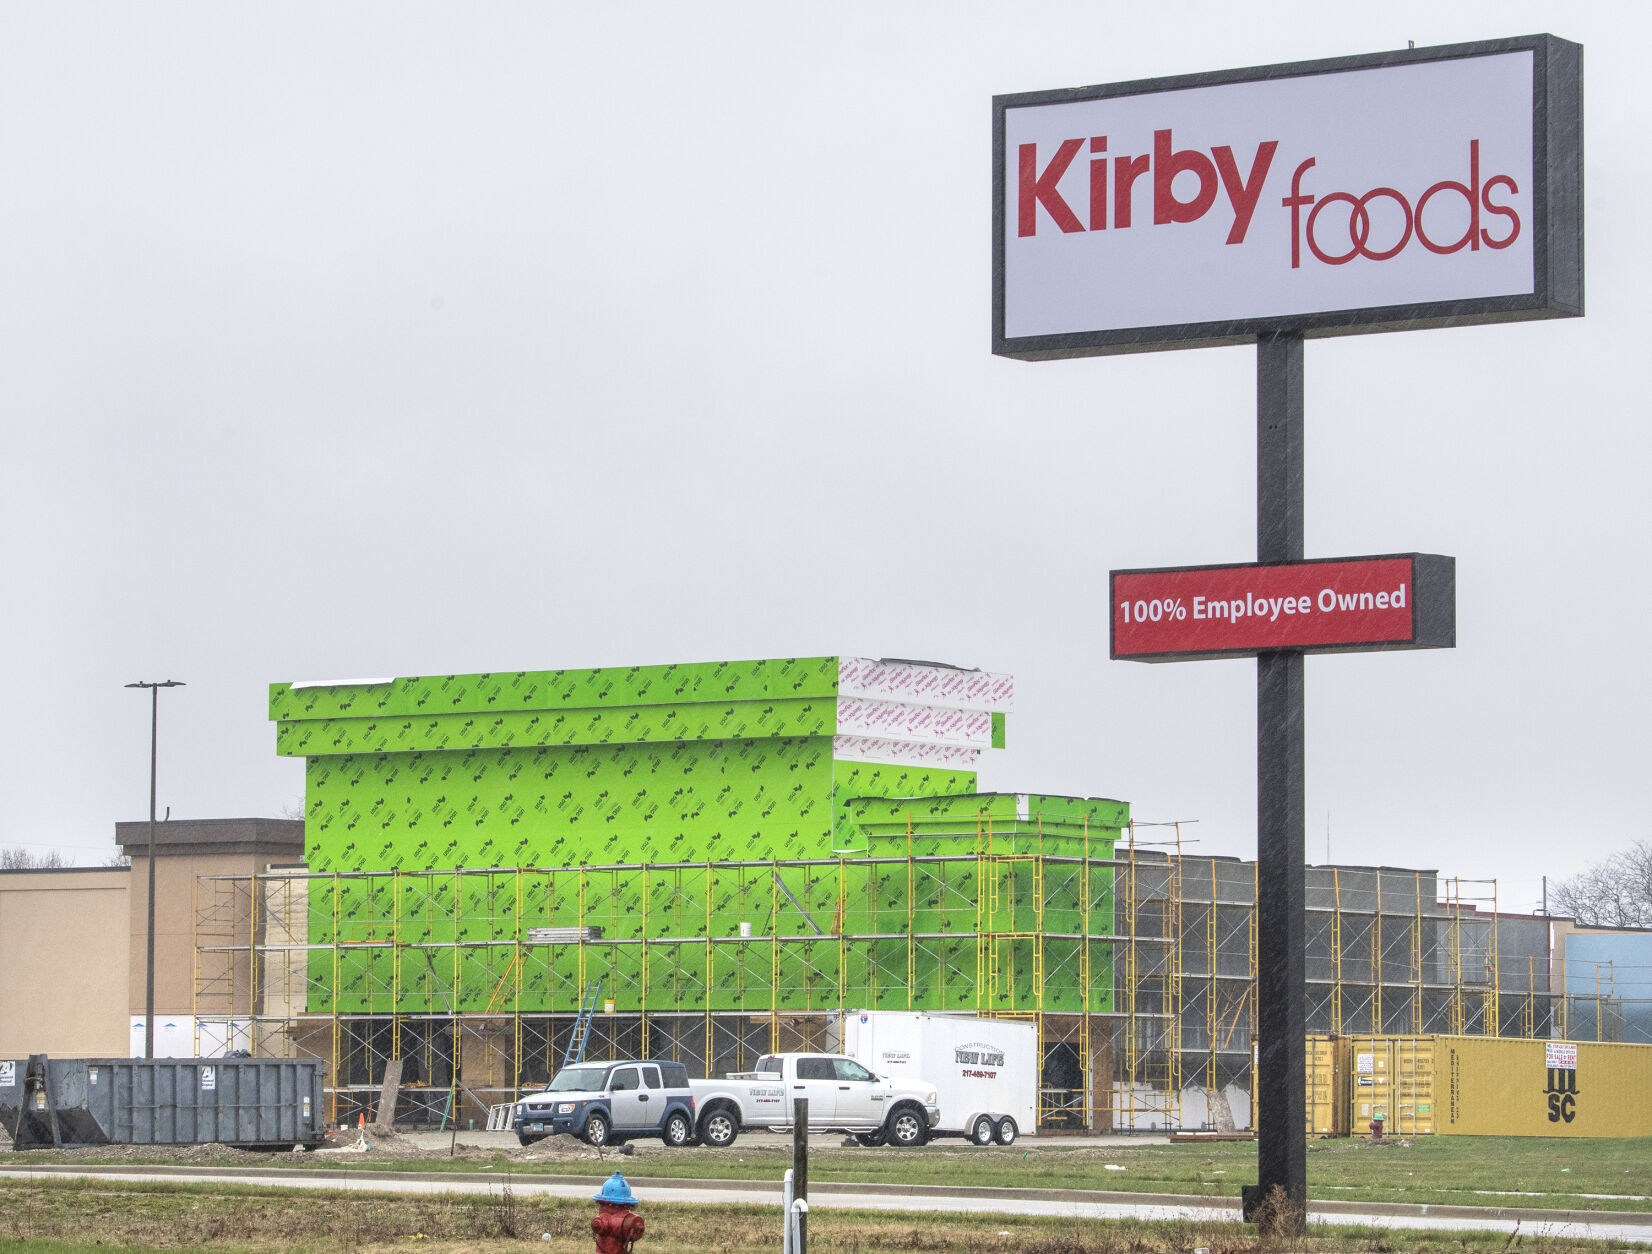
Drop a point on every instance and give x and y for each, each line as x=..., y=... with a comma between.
x=1421, y=188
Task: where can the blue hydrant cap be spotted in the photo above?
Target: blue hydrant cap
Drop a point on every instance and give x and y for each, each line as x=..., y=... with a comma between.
x=616, y=1192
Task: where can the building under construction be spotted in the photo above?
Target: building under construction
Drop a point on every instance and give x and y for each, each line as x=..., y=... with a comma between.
x=718, y=859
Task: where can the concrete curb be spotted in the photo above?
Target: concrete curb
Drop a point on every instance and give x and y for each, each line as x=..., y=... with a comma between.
x=770, y=1191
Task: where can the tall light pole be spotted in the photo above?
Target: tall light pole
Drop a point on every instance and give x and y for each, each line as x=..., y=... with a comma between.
x=149, y=964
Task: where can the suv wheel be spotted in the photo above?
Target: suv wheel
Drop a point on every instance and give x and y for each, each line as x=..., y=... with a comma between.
x=907, y=1129
x=982, y=1130
x=677, y=1130
x=524, y=1139
x=596, y=1129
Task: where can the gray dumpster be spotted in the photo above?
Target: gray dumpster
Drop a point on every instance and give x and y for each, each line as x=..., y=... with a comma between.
x=74, y=1102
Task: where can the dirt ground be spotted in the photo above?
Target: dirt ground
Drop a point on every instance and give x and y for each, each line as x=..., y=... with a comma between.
x=375, y=1141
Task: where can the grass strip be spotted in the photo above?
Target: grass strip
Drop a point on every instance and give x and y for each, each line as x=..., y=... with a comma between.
x=1611, y=1175
x=65, y=1217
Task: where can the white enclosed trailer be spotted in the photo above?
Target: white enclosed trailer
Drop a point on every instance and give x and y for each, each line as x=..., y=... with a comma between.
x=984, y=1071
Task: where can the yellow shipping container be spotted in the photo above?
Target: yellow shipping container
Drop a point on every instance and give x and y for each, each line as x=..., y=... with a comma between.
x=1392, y=1078
x=1505, y=1087
x=1327, y=1105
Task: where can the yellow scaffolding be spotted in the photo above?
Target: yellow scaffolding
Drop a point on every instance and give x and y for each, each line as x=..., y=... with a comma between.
x=1336, y=951
x=456, y=944
x=1417, y=962
x=1149, y=1093
x=1376, y=965
x=437, y=940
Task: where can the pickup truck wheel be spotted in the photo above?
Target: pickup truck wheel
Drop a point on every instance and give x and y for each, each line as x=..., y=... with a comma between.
x=1007, y=1131
x=677, y=1131
x=982, y=1130
x=718, y=1128
x=596, y=1129
x=871, y=1139
x=907, y=1128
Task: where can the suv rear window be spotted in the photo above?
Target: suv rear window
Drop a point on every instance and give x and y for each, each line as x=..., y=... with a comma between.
x=674, y=1074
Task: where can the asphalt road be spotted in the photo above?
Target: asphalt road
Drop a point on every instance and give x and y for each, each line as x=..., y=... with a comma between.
x=1624, y=1229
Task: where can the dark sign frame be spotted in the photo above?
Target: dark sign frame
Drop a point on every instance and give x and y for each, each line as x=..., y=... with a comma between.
x=1433, y=609
x=1557, y=200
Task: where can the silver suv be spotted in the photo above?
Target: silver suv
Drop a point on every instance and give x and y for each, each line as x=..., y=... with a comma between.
x=608, y=1103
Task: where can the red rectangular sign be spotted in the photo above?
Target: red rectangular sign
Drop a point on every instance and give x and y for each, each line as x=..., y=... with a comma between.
x=1339, y=605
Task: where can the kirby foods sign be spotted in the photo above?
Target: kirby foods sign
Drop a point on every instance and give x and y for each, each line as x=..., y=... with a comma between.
x=1432, y=187
x=1429, y=187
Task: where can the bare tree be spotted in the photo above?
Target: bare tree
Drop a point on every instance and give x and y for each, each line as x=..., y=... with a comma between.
x=1613, y=893
x=23, y=860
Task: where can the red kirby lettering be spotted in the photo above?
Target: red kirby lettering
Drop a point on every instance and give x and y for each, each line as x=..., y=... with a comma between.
x=1219, y=172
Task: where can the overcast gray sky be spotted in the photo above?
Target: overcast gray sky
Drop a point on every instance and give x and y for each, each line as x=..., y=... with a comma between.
x=400, y=339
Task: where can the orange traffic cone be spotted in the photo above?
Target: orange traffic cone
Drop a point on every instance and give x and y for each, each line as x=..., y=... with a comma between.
x=361, y=1120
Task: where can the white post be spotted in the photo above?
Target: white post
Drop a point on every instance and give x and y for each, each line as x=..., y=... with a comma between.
x=786, y=1213
x=800, y=1215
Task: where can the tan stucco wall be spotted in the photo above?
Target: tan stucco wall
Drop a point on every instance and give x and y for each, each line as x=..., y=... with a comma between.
x=177, y=898
x=64, y=963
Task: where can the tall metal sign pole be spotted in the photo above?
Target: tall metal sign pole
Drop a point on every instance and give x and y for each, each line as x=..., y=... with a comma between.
x=1281, y=775
x=1398, y=191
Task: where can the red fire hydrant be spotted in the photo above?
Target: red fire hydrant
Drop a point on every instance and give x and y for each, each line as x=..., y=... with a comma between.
x=617, y=1227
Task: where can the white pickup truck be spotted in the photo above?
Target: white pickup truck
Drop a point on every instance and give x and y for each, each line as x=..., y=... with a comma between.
x=843, y=1097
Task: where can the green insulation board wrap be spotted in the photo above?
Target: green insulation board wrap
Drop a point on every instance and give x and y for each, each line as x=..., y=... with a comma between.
x=689, y=801
x=755, y=938
x=697, y=762
x=1005, y=823
x=421, y=784
x=606, y=688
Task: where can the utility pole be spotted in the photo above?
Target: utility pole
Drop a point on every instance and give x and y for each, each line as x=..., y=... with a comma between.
x=149, y=961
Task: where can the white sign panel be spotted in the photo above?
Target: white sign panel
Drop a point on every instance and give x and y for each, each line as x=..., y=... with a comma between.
x=1561, y=1055
x=1429, y=187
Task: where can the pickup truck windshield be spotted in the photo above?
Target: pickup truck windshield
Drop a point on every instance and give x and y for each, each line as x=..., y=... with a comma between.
x=579, y=1079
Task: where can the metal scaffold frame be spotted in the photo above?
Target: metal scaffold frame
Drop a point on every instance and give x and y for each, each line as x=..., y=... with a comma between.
x=1391, y=952
x=442, y=970
x=1148, y=1093
x=445, y=971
